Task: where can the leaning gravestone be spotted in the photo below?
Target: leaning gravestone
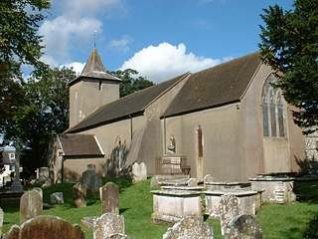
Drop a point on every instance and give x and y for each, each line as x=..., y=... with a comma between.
x=229, y=209
x=1, y=221
x=13, y=232
x=244, y=227
x=109, y=197
x=90, y=179
x=49, y=227
x=107, y=225
x=79, y=194
x=31, y=205
x=189, y=228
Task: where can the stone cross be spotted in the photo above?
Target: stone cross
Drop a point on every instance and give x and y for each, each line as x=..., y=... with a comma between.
x=190, y=227
x=244, y=226
x=107, y=225
x=229, y=208
x=49, y=227
x=79, y=194
x=31, y=205
x=109, y=197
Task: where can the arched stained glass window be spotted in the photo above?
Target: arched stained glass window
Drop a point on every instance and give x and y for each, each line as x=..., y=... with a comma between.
x=273, y=110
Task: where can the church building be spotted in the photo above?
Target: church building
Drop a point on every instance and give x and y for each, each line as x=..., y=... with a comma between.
x=228, y=121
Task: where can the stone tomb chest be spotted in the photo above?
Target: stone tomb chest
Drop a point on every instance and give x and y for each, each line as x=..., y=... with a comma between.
x=173, y=205
x=249, y=201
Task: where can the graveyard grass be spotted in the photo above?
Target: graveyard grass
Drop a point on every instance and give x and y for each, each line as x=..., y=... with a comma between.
x=278, y=221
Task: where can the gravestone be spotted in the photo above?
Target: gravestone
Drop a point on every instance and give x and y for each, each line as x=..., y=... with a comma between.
x=1, y=220
x=44, y=174
x=13, y=232
x=57, y=198
x=117, y=236
x=229, y=209
x=90, y=179
x=109, y=197
x=139, y=172
x=79, y=194
x=31, y=205
x=38, y=190
x=188, y=228
x=107, y=225
x=49, y=227
x=245, y=227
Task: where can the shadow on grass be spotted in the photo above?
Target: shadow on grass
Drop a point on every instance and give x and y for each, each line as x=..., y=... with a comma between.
x=306, y=191
x=311, y=231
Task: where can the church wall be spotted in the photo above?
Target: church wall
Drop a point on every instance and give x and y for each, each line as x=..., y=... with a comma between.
x=266, y=154
x=75, y=103
x=221, y=146
x=151, y=147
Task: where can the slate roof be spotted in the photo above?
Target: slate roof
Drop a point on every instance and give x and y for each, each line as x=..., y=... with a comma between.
x=219, y=85
x=95, y=69
x=130, y=105
x=80, y=145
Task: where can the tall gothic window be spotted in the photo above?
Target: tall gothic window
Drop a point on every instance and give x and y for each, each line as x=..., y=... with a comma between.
x=274, y=124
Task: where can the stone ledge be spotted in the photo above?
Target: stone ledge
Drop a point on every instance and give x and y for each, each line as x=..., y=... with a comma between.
x=236, y=193
x=176, y=193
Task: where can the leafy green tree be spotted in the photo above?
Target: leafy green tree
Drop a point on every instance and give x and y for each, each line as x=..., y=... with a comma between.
x=43, y=115
x=289, y=43
x=19, y=39
x=131, y=81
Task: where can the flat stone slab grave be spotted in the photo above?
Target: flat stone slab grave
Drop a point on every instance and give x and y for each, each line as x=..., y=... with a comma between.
x=173, y=205
x=248, y=201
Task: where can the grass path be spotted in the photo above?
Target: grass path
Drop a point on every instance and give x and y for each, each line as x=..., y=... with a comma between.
x=278, y=221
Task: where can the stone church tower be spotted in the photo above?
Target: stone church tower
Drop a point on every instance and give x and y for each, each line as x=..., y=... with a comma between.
x=93, y=88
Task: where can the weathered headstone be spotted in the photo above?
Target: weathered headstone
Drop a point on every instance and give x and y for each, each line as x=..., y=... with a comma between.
x=245, y=227
x=1, y=220
x=38, y=190
x=117, y=236
x=109, y=197
x=188, y=228
x=154, y=183
x=49, y=227
x=13, y=232
x=139, y=172
x=79, y=194
x=31, y=205
x=44, y=174
x=57, y=198
x=90, y=179
x=229, y=209
x=108, y=224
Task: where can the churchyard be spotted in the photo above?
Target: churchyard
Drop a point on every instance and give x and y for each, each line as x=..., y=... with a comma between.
x=283, y=220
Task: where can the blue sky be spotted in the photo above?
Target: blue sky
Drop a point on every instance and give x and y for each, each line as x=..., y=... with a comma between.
x=159, y=38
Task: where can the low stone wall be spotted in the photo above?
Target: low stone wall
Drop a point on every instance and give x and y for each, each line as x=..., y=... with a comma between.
x=275, y=189
x=173, y=205
x=249, y=201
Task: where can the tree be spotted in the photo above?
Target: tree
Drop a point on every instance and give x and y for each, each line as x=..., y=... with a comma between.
x=43, y=115
x=289, y=44
x=19, y=39
x=131, y=81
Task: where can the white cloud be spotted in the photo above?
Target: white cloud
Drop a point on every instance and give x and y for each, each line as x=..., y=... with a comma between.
x=77, y=67
x=61, y=33
x=165, y=61
x=121, y=44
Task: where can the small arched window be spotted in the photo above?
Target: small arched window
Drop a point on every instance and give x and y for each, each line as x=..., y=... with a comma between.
x=273, y=110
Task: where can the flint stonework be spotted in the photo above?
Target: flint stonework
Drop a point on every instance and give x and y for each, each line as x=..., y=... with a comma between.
x=31, y=205
x=109, y=196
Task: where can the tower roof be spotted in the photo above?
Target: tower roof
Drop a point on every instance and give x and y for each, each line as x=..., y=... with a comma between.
x=95, y=69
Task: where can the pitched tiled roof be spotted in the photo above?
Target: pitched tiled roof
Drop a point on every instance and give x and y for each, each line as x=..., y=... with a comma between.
x=219, y=85
x=124, y=107
x=80, y=145
x=95, y=69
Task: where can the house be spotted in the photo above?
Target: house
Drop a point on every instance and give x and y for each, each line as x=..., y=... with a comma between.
x=8, y=164
x=228, y=121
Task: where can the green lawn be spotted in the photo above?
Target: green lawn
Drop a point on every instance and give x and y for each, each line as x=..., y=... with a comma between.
x=278, y=221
